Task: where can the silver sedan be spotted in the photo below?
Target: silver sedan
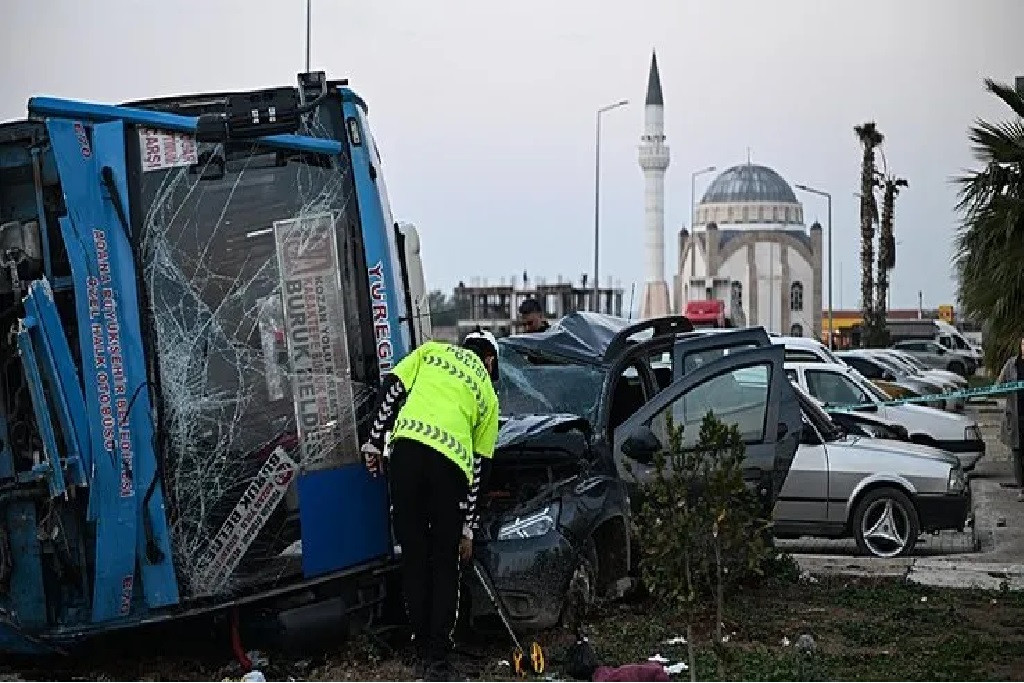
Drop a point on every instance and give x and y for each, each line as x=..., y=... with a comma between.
x=884, y=494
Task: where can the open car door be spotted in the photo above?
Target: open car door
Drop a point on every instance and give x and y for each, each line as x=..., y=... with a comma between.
x=746, y=387
x=693, y=351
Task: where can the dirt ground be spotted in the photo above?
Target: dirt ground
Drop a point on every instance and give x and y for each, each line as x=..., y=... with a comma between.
x=861, y=630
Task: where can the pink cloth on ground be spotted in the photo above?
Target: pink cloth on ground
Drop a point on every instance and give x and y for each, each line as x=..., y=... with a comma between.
x=648, y=671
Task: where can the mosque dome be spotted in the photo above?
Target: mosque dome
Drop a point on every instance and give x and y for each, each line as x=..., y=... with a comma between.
x=749, y=193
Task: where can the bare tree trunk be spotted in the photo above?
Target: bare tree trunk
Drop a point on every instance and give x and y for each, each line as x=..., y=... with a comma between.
x=870, y=138
x=886, y=249
x=719, y=593
x=689, y=650
x=884, y=244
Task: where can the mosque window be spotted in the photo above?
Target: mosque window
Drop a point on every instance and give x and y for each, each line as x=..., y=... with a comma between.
x=796, y=296
x=737, y=294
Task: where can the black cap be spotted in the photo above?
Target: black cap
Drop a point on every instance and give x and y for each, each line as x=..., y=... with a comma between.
x=530, y=306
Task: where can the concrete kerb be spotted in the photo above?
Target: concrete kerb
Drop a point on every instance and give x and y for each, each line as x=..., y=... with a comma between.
x=925, y=571
x=998, y=533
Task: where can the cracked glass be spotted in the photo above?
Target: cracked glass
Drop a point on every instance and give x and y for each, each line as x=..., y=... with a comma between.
x=234, y=363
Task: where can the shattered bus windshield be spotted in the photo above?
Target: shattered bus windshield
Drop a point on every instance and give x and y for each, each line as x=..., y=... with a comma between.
x=248, y=358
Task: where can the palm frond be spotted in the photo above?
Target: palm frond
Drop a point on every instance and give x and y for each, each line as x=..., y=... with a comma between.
x=1007, y=94
x=989, y=243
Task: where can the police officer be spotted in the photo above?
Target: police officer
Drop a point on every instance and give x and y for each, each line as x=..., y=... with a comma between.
x=440, y=406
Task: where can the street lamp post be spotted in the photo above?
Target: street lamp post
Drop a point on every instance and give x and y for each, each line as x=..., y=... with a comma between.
x=828, y=196
x=309, y=29
x=693, y=216
x=597, y=196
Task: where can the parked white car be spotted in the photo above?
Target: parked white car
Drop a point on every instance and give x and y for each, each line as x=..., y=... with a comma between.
x=806, y=349
x=836, y=385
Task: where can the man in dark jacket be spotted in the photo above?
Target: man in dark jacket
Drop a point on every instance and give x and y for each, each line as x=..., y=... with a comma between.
x=1013, y=419
x=532, y=315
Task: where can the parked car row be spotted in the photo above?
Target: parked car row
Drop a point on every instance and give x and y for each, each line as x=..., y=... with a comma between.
x=932, y=354
x=585, y=406
x=837, y=382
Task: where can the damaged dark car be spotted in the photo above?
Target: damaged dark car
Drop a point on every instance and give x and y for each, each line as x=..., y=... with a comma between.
x=581, y=407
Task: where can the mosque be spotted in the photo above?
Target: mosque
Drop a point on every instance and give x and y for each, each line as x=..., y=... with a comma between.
x=751, y=250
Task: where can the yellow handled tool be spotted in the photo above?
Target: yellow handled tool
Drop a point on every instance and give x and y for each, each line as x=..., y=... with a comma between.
x=536, y=653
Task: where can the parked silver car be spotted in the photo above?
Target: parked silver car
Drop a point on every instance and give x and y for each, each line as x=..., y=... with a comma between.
x=935, y=355
x=959, y=380
x=882, y=493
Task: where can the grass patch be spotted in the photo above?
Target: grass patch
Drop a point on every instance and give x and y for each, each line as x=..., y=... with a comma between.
x=868, y=630
x=862, y=629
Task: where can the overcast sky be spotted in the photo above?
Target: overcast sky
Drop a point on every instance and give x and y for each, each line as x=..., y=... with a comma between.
x=484, y=111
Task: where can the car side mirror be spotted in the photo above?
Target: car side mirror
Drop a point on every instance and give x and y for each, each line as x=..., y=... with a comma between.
x=808, y=436
x=641, y=445
x=941, y=350
x=888, y=376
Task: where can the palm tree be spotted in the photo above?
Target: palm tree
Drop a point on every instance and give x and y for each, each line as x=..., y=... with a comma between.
x=989, y=255
x=886, y=250
x=870, y=138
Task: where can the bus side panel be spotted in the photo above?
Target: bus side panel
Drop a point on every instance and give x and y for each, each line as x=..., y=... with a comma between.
x=153, y=544
x=381, y=258
x=85, y=230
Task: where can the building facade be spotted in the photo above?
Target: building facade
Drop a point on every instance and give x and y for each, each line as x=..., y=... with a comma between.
x=495, y=307
x=754, y=253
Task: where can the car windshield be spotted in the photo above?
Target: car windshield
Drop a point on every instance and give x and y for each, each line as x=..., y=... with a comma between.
x=815, y=415
x=868, y=386
x=914, y=360
x=899, y=362
x=831, y=357
x=540, y=386
x=889, y=364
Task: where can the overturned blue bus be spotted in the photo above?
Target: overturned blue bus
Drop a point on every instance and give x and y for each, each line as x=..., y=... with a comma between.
x=198, y=295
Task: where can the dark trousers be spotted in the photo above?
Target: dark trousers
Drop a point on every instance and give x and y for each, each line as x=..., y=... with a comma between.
x=1018, y=465
x=427, y=490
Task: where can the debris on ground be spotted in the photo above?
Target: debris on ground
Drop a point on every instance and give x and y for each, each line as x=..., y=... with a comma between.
x=676, y=669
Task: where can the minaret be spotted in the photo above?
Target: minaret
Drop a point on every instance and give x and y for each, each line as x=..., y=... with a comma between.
x=654, y=161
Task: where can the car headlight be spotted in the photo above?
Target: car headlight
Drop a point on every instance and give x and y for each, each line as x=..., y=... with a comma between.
x=972, y=433
x=957, y=481
x=532, y=525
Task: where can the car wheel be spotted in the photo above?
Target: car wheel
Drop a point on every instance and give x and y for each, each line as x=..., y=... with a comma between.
x=885, y=524
x=958, y=368
x=582, y=587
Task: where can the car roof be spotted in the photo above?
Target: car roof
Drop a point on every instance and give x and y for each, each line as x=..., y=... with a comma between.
x=797, y=341
x=812, y=365
x=594, y=338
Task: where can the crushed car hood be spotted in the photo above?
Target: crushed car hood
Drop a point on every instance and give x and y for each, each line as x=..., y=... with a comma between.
x=525, y=431
x=900, y=449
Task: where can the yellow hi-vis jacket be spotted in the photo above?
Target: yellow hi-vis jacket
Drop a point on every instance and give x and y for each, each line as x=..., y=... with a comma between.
x=450, y=404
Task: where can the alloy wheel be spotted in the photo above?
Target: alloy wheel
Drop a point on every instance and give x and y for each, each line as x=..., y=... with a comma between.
x=885, y=528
